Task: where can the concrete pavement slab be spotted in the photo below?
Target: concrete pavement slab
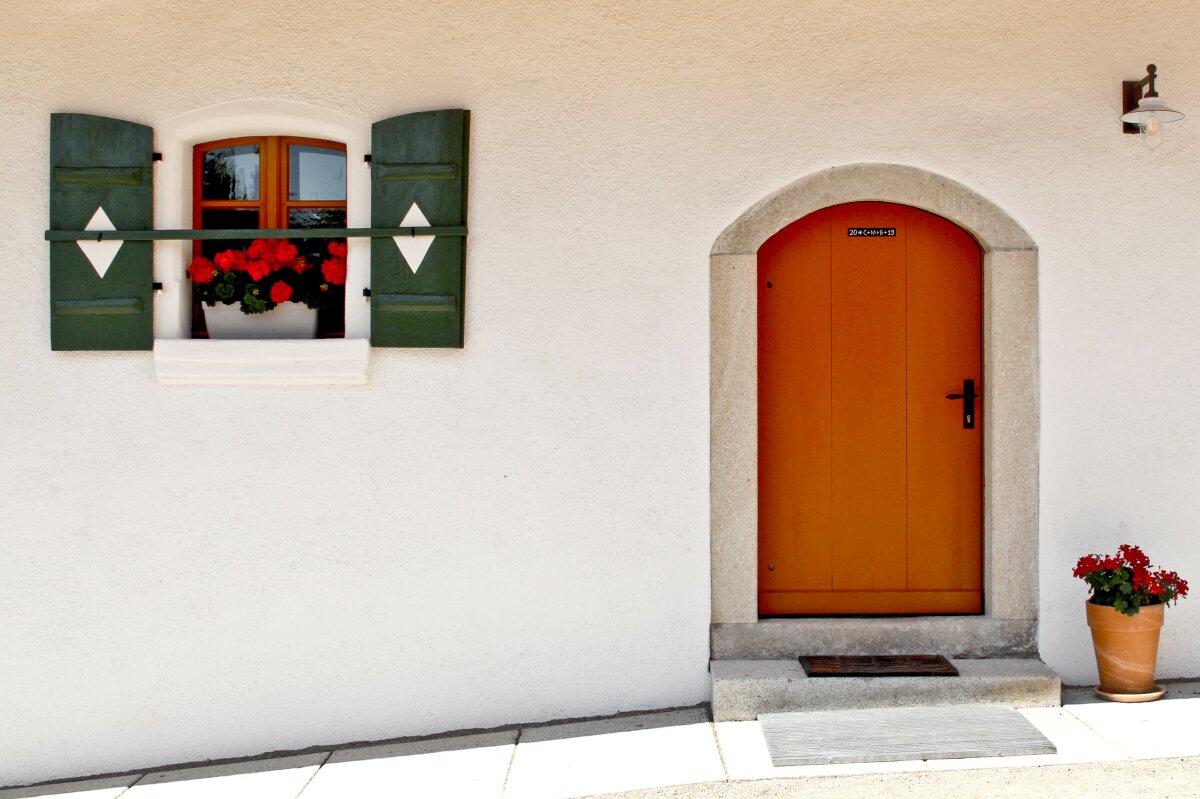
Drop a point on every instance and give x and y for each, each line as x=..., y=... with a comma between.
x=464, y=767
x=609, y=755
x=1086, y=694
x=1159, y=779
x=104, y=788
x=1166, y=728
x=276, y=778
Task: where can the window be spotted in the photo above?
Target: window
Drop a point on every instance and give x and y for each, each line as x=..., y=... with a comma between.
x=416, y=169
x=271, y=182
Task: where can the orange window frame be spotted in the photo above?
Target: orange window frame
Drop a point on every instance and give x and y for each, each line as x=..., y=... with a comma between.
x=272, y=204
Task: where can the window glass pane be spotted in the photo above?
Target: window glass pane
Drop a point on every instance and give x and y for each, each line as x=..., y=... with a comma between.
x=231, y=173
x=314, y=250
x=316, y=173
x=226, y=219
x=317, y=217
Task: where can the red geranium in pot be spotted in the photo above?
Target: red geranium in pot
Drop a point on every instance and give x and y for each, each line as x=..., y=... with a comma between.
x=268, y=273
x=1125, y=614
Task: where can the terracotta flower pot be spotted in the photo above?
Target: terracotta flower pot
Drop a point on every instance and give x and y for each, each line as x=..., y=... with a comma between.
x=1126, y=649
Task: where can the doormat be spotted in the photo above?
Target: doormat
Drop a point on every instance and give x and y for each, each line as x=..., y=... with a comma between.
x=877, y=666
x=900, y=733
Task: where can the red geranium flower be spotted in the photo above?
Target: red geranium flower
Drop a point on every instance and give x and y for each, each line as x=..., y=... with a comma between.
x=334, y=270
x=260, y=249
x=285, y=252
x=231, y=260
x=337, y=249
x=1125, y=581
x=276, y=253
x=281, y=292
x=259, y=269
x=201, y=270
x=1133, y=555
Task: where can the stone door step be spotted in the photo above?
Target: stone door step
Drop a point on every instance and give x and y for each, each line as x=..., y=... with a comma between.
x=742, y=689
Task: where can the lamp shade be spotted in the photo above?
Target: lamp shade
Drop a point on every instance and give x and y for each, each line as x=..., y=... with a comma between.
x=1146, y=107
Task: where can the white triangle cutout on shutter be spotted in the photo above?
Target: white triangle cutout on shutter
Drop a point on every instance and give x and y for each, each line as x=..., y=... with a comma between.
x=100, y=253
x=413, y=248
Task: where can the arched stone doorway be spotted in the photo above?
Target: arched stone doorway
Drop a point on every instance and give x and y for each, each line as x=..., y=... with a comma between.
x=1008, y=625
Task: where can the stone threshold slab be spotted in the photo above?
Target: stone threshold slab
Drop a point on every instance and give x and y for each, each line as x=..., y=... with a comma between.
x=953, y=636
x=744, y=689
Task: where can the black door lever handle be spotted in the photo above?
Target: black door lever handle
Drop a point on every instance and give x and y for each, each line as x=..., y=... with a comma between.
x=968, y=396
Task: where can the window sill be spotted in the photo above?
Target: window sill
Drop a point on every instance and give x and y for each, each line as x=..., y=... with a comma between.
x=311, y=362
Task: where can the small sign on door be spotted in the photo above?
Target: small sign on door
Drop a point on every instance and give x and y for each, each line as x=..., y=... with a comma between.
x=871, y=231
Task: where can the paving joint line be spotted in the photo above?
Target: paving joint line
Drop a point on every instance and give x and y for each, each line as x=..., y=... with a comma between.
x=720, y=751
x=140, y=777
x=308, y=782
x=511, y=759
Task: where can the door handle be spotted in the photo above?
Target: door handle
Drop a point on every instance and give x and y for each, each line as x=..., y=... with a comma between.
x=968, y=397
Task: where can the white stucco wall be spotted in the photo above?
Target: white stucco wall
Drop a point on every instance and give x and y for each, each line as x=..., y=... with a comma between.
x=518, y=530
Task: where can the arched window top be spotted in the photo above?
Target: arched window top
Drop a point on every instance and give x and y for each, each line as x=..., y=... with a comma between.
x=276, y=170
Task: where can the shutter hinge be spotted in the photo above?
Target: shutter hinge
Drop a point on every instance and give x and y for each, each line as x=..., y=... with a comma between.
x=367, y=293
x=367, y=158
x=156, y=286
x=155, y=156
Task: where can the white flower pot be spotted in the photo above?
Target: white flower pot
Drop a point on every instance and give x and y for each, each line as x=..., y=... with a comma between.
x=286, y=320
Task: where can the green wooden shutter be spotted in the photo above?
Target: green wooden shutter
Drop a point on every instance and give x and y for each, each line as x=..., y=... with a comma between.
x=419, y=159
x=100, y=163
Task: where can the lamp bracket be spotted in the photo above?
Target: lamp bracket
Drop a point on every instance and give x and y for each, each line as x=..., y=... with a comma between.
x=1131, y=94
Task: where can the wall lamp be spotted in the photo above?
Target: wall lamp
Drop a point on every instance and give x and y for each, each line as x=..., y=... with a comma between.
x=1145, y=113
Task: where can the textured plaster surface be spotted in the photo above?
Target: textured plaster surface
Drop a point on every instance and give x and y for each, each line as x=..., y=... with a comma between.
x=201, y=573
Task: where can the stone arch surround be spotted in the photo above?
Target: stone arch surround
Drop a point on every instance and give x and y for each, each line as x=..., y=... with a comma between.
x=1008, y=626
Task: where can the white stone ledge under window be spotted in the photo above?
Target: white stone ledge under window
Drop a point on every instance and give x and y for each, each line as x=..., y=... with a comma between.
x=306, y=362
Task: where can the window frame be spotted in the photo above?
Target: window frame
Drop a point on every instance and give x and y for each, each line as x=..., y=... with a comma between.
x=273, y=179
x=273, y=204
x=176, y=137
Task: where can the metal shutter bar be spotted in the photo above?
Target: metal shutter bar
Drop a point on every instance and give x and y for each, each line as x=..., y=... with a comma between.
x=273, y=233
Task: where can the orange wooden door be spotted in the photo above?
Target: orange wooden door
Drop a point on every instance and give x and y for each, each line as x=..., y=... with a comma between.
x=870, y=487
